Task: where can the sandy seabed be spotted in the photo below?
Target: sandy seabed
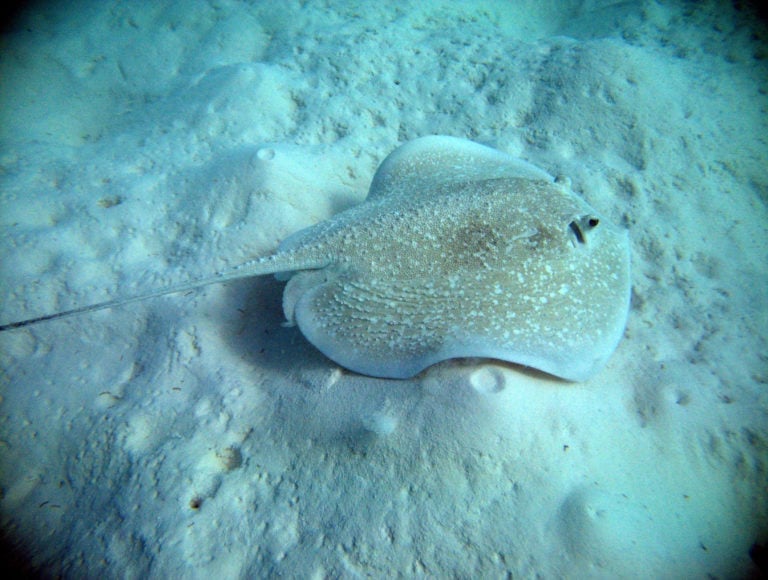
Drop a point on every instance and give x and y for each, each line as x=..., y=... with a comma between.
x=195, y=436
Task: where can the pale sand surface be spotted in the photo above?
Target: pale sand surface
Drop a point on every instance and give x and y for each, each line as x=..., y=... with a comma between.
x=194, y=436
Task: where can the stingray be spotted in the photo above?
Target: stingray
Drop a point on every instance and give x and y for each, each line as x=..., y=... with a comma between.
x=458, y=251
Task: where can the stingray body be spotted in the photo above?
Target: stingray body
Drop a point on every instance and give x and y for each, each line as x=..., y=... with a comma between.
x=458, y=251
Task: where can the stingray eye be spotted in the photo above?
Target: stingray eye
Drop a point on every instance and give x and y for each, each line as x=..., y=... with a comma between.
x=580, y=226
x=576, y=231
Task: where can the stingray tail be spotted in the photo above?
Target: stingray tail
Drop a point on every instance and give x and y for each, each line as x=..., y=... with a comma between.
x=273, y=264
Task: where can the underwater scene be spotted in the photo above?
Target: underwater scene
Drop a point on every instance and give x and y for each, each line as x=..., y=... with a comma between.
x=345, y=289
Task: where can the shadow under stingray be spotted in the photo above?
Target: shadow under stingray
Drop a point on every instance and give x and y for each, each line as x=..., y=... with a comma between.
x=261, y=336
